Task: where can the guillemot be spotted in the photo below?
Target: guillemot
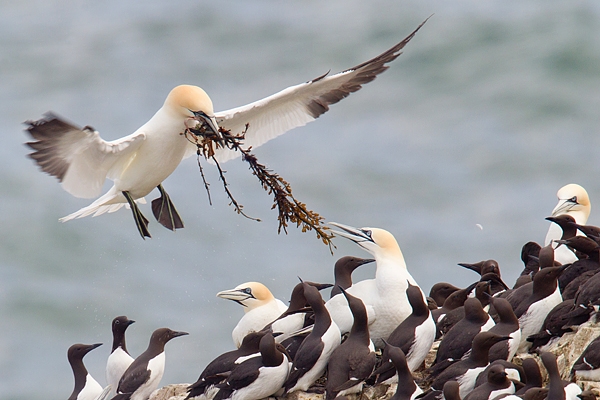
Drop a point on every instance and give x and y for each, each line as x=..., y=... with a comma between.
x=457, y=342
x=465, y=371
x=314, y=352
x=219, y=368
x=257, y=377
x=533, y=309
x=342, y=272
x=407, y=388
x=587, y=366
x=414, y=336
x=506, y=325
x=440, y=291
x=119, y=359
x=354, y=360
x=86, y=387
x=145, y=372
x=497, y=383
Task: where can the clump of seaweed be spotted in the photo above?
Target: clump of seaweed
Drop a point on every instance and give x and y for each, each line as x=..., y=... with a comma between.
x=290, y=210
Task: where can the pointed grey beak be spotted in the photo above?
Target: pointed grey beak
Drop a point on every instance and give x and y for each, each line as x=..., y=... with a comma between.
x=357, y=235
x=563, y=207
x=178, y=333
x=237, y=295
x=210, y=123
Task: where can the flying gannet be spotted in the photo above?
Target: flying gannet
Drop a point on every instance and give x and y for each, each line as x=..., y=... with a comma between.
x=141, y=161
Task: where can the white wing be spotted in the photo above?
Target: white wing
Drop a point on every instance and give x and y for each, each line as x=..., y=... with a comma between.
x=300, y=104
x=79, y=158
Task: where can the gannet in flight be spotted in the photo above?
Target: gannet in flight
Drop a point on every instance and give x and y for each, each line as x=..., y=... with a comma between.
x=141, y=161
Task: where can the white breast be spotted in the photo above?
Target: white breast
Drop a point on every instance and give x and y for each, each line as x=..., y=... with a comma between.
x=91, y=390
x=269, y=381
x=331, y=340
x=117, y=363
x=467, y=381
x=425, y=333
x=256, y=319
x=157, y=368
x=531, y=322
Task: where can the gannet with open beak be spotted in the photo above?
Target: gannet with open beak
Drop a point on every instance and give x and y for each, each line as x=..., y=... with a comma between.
x=385, y=296
x=573, y=200
x=140, y=162
x=260, y=308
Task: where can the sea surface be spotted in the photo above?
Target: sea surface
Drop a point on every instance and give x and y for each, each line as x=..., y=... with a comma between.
x=458, y=150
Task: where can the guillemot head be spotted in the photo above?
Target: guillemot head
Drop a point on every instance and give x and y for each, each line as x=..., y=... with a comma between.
x=249, y=294
x=572, y=198
x=379, y=242
x=78, y=351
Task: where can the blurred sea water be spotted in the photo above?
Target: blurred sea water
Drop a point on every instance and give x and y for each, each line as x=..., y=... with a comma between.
x=490, y=110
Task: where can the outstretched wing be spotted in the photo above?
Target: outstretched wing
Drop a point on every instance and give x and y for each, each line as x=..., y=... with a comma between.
x=300, y=104
x=79, y=157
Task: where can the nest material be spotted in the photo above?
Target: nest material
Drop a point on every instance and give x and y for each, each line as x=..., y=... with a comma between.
x=290, y=210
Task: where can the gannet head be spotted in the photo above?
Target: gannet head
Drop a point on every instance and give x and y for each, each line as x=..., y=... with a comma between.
x=191, y=101
x=573, y=198
x=250, y=295
x=379, y=242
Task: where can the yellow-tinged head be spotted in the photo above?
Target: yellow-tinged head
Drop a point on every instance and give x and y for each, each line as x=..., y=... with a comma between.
x=573, y=198
x=379, y=242
x=189, y=99
x=249, y=294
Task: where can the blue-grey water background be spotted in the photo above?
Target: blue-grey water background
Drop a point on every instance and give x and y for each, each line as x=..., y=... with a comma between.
x=492, y=107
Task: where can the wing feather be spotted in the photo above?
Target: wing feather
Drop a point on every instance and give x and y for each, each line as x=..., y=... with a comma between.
x=79, y=157
x=297, y=105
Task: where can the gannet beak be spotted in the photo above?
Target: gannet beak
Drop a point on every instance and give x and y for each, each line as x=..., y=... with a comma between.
x=565, y=206
x=357, y=235
x=210, y=123
x=237, y=295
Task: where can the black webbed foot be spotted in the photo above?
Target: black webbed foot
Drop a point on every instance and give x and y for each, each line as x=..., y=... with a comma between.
x=164, y=211
x=140, y=221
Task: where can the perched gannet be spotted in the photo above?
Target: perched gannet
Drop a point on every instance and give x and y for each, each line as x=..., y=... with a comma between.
x=260, y=308
x=574, y=201
x=385, y=296
x=141, y=161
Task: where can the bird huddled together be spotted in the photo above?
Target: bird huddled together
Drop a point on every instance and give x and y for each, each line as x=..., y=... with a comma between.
x=455, y=343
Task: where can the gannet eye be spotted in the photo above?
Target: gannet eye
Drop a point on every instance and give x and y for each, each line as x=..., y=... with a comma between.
x=573, y=199
x=367, y=233
x=248, y=290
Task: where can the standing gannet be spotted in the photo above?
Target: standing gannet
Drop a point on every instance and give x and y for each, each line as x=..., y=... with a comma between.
x=385, y=296
x=260, y=308
x=140, y=162
x=573, y=200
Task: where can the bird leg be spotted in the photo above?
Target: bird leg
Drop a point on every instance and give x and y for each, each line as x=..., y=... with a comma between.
x=140, y=221
x=165, y=212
